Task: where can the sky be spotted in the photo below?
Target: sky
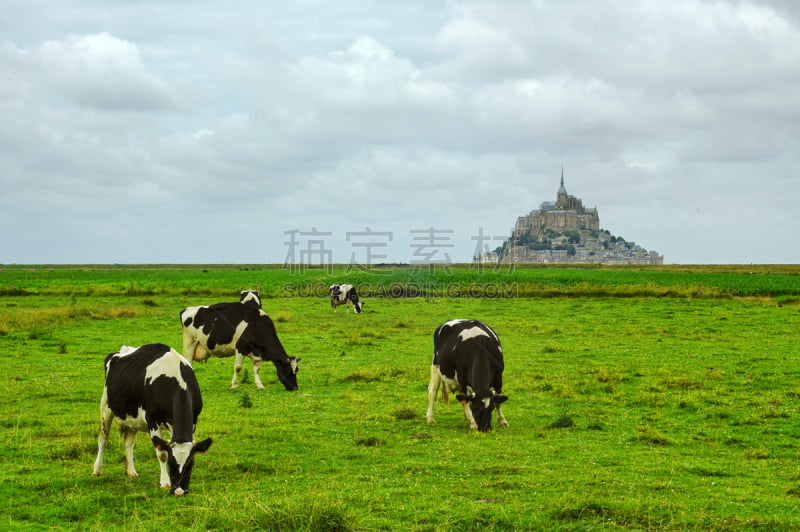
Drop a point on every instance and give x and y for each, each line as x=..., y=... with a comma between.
x=362, y=132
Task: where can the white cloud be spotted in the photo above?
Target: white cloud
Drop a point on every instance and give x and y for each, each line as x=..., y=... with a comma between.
x=367, y=81
x=482, y=50
x=103, y=72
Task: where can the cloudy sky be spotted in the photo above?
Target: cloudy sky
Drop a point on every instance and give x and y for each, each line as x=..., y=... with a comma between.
x=269, y=132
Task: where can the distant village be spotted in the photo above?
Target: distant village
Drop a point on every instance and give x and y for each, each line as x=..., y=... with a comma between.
x=565, y=231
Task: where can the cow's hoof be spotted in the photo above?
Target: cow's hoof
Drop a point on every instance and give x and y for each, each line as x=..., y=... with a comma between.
x=234, y=386
x=165, y=486
x=431, y=421
x=504, y=423
x=96, y=473
x=132, y=475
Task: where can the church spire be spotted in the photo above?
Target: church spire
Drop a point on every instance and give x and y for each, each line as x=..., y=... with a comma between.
x=561, y=189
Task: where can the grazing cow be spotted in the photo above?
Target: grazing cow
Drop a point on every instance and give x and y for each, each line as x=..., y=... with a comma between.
x=228, y=329
x=342, y=294
x=468, y=359
x=148, y=389
x=250, y=297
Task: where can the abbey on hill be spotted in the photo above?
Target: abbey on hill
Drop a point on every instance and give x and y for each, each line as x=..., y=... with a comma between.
x=565, y=231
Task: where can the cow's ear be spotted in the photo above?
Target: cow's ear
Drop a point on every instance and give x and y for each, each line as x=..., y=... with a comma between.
x=500, y=399
x=463, y=398
x=160, y=444
x=202, y=446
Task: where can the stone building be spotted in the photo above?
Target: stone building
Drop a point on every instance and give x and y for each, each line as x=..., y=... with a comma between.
x=565, y=231
x=566, y=214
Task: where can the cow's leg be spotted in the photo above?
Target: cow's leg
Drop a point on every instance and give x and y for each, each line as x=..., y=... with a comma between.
x=433, y=387
x=162, y=457
x=468, y=415
x=237, y=367
x=106, y=416
x=256, y=377
x=501, y=419
x=130, y=441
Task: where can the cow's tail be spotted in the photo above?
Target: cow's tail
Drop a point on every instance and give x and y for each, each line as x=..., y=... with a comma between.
x=445, y=397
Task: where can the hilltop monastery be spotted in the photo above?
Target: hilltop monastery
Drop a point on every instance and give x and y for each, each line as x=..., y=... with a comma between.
x=565, y=231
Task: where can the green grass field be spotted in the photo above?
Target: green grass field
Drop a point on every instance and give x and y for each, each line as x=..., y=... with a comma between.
x=653, y=398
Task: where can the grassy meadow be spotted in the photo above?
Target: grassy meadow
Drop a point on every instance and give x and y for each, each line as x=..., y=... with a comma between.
x=659, y=398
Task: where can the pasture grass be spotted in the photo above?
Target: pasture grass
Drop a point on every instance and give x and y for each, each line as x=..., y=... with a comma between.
x=633, y=412
x=395, y=281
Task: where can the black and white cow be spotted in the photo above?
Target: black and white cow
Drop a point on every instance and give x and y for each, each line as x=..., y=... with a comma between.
x=149, y=389
x=240, y=330
x=468, y=360
x=342, y=294
x=250, y=297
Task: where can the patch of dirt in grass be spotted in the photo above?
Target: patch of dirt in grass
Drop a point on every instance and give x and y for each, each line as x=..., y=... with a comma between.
x=593, y=512
x=404, y=413
x=701, y=471
x=563, y=422
x=371, y=441
x=651, y=436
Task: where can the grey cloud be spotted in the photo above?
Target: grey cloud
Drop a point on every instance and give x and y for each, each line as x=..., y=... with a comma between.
x=178, y=124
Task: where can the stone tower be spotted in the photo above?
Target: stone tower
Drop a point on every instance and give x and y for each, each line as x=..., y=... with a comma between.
x=566, y=214
x=561, y=197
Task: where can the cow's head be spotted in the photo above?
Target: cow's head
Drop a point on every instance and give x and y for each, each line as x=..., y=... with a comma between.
x=482, y=408
x=287, y=372
x=250, y=297
x=180, y=461
x=358, y=305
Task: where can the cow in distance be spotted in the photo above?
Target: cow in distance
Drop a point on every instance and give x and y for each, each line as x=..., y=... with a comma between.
x=345, y=294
